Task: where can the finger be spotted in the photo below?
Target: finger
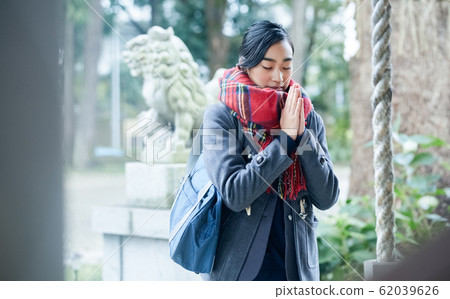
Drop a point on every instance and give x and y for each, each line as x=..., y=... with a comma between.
x=301, y=125
x=292, y=100
x=293, y=94
x=296, y=95
x=287, y=104
x=296, y=115
x=298, y=108
x=302, y=111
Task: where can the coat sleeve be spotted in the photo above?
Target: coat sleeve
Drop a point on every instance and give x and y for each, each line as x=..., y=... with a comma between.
x=239, y=181
x=321, y=182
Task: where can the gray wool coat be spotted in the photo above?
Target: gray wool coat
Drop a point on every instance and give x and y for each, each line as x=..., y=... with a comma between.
x=242, y=174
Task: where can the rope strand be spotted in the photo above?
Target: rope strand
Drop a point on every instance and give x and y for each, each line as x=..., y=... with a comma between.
x=381, y=123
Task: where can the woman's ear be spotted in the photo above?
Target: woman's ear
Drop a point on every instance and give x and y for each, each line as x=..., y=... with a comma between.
x=239, y=65
x=245, y=70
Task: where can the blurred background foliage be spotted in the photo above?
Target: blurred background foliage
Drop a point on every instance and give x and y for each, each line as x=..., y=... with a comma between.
x=351, y=231
x=213, y=31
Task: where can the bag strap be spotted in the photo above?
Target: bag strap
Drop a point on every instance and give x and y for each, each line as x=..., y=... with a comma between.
x=197, y=145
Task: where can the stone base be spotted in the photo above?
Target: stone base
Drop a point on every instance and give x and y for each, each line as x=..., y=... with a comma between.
x=374, y=270
x=136, y=245
x=153, y=186
x=179, y=156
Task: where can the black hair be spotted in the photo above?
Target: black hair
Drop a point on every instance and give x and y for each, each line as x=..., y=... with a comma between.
x=257, y=40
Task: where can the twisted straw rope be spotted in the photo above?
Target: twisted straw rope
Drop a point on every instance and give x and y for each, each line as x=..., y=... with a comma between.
x=381, y=123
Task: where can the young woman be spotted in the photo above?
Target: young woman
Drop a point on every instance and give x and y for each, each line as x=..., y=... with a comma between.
x=267, y=154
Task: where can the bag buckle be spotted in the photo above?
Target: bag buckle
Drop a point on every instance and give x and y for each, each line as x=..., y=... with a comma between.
x=248, y=210
x=302, y=213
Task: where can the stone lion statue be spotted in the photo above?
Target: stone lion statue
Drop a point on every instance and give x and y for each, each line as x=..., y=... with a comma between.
x=172, y=86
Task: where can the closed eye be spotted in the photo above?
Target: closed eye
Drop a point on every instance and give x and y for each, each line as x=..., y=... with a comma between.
x=266, y=68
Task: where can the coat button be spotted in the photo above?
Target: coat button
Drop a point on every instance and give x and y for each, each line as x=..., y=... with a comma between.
x=290, y=217
x=260, y=159
x=322, y=160
x=249, y=156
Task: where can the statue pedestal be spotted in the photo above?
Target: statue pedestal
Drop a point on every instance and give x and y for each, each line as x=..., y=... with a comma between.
x=152, y=186
x=135, y=245
x=136, y=236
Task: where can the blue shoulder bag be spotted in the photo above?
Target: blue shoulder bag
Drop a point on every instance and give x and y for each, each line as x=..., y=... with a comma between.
x=195, y=218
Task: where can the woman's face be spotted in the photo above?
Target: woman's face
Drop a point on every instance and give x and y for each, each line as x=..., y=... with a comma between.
x=275, y=69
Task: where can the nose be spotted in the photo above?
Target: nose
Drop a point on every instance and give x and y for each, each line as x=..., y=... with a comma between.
x=277, y=76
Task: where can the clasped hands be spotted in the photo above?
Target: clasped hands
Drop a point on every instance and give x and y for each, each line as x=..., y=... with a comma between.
x=292, y=120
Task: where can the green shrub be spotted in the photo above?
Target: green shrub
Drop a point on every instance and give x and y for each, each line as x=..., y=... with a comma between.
x=346, y=240
x=416, y=192
x=349, y=238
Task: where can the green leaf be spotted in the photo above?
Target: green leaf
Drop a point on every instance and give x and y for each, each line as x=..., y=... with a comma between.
x=370, y=235
x=440, y=191
x=325, y=259
x=432, y=178
x=421, y=139
x=434, y=142
x=369, y=227
x=408, y=213
x=436, y=218
x=424, y=183
x=326, y=256
x=356, y=222
x=417, y=182
x=402, y=238
x=327, y=230
x=402, y=138
x=357, y=235
x=423, y=159
x=424, y=141
x=404, y=158
x=362, y=255
x=402, y=217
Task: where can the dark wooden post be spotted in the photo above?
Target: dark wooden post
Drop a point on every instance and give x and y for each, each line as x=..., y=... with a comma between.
x=31, y=195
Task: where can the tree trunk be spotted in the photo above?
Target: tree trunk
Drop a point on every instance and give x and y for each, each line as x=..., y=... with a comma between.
x=298, y=33
x=68, y=117
x=156, y=17
x=421, y=55
x=361, y=177
x=85, y=140
x=420, y=62
x=218, y=44
x=311, y=33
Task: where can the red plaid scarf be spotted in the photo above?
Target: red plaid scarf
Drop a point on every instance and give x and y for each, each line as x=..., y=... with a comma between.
x=258, y=109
